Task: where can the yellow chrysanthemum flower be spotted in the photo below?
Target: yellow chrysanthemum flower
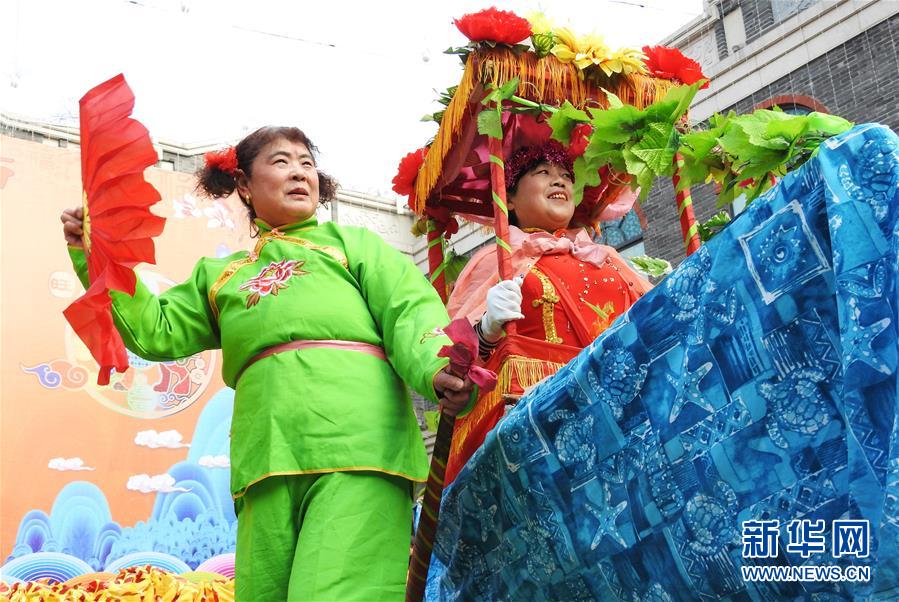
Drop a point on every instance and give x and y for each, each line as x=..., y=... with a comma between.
x=583, y=51
x=566, y=45
x=595, y=47
x=624, y=61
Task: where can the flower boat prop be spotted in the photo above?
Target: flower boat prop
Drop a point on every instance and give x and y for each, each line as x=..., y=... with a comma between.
x=731, y=435
x=511, y=95
x=565, y=86
x=623, y=116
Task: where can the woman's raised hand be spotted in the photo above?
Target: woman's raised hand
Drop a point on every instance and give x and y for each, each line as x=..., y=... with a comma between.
x=503, y=305
x=73, y=226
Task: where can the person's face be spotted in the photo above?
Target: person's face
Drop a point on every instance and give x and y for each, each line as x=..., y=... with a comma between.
x=283, y=188
x=543, y=198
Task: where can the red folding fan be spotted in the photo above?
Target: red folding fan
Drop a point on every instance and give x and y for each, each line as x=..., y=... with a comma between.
x=118, y=224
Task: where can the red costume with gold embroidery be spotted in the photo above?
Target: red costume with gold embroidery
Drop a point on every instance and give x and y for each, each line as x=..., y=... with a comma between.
x=573, y=290
x=571, y=302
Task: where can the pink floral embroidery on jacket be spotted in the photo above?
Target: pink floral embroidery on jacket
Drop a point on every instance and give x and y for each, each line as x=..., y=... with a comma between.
x=272, y=279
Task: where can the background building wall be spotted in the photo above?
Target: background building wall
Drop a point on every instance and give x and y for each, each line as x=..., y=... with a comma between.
x=841, y=57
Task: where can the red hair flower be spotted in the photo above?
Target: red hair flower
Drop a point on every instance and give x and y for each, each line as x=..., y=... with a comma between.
x=492, y=25
x=407, y=172
x=580, y=138
x=670, y=63
x=225, y=160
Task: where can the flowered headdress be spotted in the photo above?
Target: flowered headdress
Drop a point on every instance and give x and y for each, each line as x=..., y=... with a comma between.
x=527, y=157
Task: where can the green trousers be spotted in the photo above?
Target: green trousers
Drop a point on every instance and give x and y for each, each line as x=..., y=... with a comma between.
x=335, y=536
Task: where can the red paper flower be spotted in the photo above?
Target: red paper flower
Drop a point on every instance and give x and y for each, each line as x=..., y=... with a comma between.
x=226, y=159
x=407, y=172
x=443, y=220
x=670, y=63
x=463, y=352
x=580, y=138
x=492, y=25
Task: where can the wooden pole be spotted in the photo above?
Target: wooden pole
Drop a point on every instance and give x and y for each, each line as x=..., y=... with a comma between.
x=500, y=214
x=430, y=510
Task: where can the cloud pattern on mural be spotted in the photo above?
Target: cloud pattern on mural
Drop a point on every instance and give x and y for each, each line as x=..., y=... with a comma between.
x=193, y=521
x=64, y=464
x=215, y=462
x=152, y=439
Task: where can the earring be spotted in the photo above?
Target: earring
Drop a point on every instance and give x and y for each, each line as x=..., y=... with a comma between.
x=247, y=200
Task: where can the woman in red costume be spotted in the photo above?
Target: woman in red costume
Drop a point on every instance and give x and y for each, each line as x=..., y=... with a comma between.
x=568, y=289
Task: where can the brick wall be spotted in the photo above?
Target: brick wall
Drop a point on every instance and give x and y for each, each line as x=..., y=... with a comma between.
x=757, y=17
x=721, y=40
x=857, y=80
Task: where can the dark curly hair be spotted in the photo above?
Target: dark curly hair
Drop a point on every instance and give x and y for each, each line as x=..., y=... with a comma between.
x=213, y=181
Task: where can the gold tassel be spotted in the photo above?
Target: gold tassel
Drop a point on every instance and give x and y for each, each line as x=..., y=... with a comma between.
x=523, y=371
x=447, y=134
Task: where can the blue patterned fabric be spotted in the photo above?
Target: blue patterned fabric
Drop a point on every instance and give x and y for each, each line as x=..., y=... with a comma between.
x=757, y=382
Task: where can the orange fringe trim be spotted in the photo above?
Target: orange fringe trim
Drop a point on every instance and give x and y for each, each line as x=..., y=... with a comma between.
x=516, y=374
x=544, y=80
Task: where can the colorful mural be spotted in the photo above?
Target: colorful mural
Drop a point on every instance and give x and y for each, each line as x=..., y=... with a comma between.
x=100, y=479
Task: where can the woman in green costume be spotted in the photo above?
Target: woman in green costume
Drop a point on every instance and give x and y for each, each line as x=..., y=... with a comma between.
x=320, y=326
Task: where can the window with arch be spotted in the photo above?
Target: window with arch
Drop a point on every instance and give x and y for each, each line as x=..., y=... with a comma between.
x=793, y=108
x=794, y=104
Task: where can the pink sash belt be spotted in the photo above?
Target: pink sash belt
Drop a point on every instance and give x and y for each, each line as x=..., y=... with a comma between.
x=368, y=348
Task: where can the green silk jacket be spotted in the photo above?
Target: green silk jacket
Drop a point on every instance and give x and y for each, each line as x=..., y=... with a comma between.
x=311, y=410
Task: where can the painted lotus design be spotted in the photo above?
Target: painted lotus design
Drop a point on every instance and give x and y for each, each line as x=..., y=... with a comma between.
x=272, y=279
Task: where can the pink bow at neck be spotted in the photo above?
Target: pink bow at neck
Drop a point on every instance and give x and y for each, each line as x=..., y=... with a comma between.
x=582, y=247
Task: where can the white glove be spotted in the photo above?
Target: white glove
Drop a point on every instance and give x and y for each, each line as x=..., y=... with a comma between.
x=503, y=305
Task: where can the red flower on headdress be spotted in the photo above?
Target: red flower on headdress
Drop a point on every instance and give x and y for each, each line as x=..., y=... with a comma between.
x=463, y=352
x=670, y=63
x=444, y=220
x=225, y=160
x=407, y=172
x=580, y=138
x=492, y=25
